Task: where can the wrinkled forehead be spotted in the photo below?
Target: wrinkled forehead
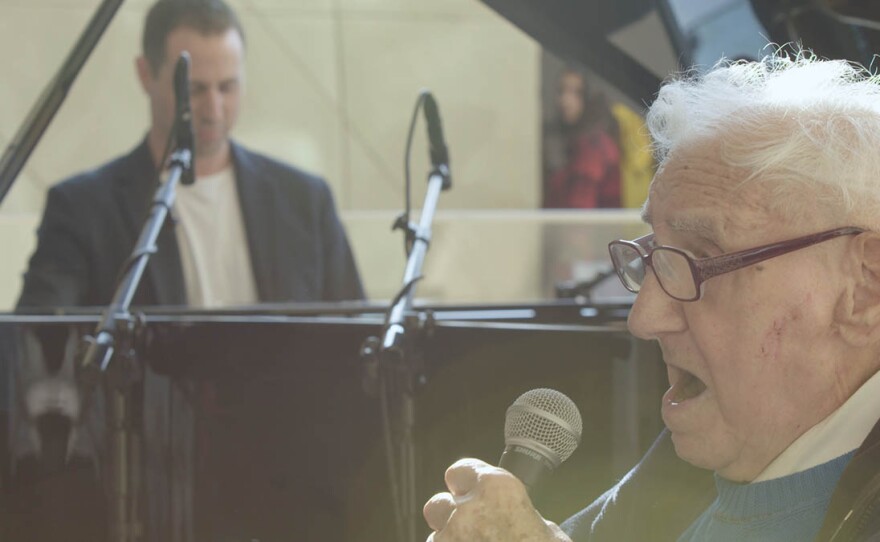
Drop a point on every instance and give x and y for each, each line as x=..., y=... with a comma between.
x=695, y=191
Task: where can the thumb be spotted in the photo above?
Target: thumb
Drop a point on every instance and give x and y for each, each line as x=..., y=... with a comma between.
x=463, y=475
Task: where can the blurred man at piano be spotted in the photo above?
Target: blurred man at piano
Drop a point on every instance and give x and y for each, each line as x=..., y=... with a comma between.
x=250, y=229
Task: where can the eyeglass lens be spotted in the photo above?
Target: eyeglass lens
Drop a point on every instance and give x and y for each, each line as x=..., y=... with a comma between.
x=629, y=265
x=674, y=273
x=671, y=268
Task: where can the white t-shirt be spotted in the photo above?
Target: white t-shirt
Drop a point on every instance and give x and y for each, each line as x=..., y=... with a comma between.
x=214, y=251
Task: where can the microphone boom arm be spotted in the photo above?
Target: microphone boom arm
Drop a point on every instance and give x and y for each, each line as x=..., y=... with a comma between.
x=395, y=328
x=392, y=362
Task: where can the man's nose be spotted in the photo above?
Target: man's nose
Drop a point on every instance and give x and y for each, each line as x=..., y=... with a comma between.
x=211, y=105
x=654, y=311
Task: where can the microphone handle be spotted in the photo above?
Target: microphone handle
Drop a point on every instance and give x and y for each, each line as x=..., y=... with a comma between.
x=528, y=465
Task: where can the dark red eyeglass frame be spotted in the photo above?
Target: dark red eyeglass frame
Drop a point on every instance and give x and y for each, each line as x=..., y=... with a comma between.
x=703, y=269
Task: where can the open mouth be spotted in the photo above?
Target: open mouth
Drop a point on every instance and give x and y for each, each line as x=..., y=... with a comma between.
x=686, y=387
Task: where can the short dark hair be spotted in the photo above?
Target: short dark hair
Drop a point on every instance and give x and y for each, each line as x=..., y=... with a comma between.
x=204, y=16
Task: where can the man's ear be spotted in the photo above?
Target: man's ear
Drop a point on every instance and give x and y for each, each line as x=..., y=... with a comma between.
x=858, y=311
x=144, y=72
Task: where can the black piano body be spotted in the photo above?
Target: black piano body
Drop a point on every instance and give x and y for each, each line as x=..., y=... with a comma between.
x=296, y=439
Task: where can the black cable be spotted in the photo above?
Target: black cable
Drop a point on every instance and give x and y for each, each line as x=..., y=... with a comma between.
x=402, y=292
x=390, y=459
x=406, y=176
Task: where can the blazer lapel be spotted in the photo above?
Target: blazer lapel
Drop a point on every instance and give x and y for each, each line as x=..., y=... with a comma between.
x=135, y=193
x=256, y=196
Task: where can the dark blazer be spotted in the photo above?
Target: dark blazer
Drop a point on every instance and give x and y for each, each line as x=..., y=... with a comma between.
x=298, y=247
x=298, y=250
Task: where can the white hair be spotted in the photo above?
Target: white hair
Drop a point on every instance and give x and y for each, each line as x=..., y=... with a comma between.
x=792, y=122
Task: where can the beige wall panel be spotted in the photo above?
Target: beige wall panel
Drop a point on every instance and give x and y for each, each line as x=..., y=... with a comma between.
x=471, y=8
x=483, y=258
x=104, y=113
x=473, y=257
x=484, y=77
x=291, y=109
x=376, y=180
x=493, y=256
x=377, y=250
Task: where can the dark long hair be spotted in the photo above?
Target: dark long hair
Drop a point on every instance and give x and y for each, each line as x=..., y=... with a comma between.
x=596, y=112
x=596, y=117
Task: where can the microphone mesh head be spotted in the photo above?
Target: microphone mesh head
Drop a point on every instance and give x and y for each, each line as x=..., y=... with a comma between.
x=547, y=418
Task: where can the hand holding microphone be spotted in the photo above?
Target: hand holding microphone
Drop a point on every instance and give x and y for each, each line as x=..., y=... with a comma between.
x=484, y=502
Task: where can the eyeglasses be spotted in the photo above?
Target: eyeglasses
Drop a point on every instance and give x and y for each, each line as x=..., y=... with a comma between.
x=681, y=275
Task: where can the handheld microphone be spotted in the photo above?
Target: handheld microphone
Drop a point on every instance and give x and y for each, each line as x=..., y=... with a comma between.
x=183, y=133
x=542, y=429
x=438, y=150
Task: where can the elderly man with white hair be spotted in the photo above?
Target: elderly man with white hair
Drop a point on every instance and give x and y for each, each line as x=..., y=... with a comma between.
x=761, y=283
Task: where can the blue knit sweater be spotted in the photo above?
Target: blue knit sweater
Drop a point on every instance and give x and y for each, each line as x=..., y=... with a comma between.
x=790, y=508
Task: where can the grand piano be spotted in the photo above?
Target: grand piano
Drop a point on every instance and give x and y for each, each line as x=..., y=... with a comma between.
x=296, y=428
x=296, y=432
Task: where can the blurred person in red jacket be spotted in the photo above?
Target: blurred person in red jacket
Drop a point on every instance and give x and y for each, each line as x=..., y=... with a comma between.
x=581, y=149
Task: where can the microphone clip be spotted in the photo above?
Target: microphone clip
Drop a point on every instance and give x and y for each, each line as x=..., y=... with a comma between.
x=442, y=169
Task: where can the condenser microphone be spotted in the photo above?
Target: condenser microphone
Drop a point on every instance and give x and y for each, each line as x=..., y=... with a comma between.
x=183, y=132
x=438, y=150
x=542, y=429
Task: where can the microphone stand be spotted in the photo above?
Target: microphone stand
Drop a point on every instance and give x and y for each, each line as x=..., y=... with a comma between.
x=116, y=332
x=395, y=328
x=393, y=364
x=583, y=290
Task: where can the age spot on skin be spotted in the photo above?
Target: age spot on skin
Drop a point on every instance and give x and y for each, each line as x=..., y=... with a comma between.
x=773, y=337
x=770, y=344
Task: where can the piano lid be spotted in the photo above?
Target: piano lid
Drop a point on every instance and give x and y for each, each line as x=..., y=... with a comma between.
x=635, y=44
x=597, y=34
